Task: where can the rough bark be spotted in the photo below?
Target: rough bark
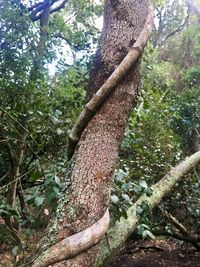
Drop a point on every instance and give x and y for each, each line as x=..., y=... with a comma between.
x=96, y=96
x=118, y=234
x=97, y=150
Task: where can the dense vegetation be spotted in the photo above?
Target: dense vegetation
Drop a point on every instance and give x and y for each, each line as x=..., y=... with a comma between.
x=39, y=106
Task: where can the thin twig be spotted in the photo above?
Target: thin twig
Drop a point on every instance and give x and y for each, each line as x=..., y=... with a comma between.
x=33, y=139
x=18, y=178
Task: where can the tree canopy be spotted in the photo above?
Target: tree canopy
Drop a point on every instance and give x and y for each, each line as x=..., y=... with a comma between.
x=55, y=81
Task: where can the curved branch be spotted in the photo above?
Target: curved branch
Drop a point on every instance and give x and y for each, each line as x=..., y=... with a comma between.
x=35, y=6
x=180, y=28
x=75, y=244
x=59, y=35
x=62, y=5
x=101, y=95
x=37, y=9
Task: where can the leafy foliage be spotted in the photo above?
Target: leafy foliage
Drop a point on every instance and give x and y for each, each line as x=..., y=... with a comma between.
x=37, y=108
x=39, y=112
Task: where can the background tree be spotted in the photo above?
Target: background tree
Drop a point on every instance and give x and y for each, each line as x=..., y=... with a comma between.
x=34, y=114
x=38, y=109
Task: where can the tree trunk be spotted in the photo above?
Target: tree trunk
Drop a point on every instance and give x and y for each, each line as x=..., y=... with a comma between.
x=123, y=228
x=97, y=151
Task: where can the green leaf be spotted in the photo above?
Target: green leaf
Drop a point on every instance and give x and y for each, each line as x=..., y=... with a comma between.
x=145, y=226
x=145, y=206
x=143, y=184
x=39, y=201
x=139, y=210
x=56, y=190
x=140, y=229
x=57, y=180
x=126, y=186
x=49, y=179
x=120, y=174
x=15, y=250
x=137, y=189
x=148, y=233
x=51, y=197
x=36, y=175
x=114, y=199
x=148, y=191
x=13, y=212
x=126, y=198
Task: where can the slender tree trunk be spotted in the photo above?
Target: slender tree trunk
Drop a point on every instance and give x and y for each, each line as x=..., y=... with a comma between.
x=17, y=155
x=97, y=151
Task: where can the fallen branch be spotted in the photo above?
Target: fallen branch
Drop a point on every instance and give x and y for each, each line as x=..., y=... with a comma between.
x=101, y=95
x=177, y=224
x=184, y=234
x=119, y=233
x=193, y=240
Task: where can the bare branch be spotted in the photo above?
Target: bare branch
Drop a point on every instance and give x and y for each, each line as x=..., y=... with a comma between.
x=59, y=35
x=27, y=132
x=62, y=5
x=184, y=234
x=35, y=6
x=194, y=240
x=53, y=2
x=39, y=9
x=180, y=28
x=37, y=13
x=16, y=179
x=177, y=224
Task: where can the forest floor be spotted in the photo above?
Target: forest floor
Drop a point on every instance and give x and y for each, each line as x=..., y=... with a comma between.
x=156, y=253
x=153, y=253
